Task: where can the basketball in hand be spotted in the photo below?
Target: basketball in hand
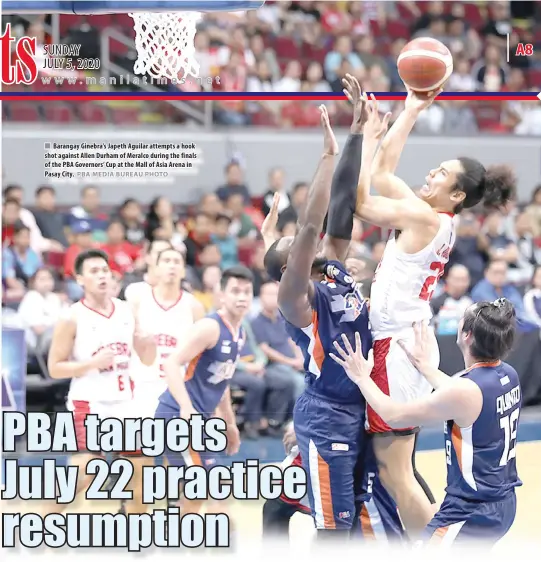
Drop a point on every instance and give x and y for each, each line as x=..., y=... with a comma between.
x=424, y=64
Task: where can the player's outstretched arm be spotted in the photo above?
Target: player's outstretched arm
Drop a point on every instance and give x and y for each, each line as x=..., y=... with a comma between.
x=344, y=181
x=383, y=170
x=59, y=362
x=461, y=400
x=204, y=335
x=295, y=286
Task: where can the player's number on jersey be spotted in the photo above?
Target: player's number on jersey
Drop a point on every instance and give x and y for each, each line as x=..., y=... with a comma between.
x=509, y=426
x=448, y=451
x=429, y=286
x=102, y=471
x=121, y=385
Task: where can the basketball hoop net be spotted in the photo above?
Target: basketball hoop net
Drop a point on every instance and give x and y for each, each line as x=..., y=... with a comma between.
x=165, y=44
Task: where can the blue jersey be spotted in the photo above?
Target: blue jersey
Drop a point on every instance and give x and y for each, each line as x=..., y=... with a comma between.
x=208, y=375
x=481, y=464
x=337, y=308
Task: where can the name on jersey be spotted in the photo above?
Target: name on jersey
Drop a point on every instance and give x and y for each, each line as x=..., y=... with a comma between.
x=508, y=400
x=165, y=340
x=118, y=348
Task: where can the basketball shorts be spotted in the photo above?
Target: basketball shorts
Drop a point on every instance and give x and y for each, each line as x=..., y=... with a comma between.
x=329, y=436
x=460, y=522
x=396, y=376
x=119, y=409
x=206, y=459
x=146, y=396
x=376, y=514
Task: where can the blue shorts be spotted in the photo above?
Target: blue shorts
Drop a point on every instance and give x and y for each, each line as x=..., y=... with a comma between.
x=460, y=521
x=330, y=437
x=189, y=457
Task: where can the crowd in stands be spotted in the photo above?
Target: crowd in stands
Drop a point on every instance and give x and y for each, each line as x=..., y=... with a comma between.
x=495, y=255
x=308, y=47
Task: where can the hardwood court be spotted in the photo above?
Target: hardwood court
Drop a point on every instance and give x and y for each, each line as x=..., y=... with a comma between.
x=431, y=464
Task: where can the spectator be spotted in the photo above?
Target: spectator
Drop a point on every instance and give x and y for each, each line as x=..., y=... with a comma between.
x=242, y=225
x=291, y=80
x=534, y=210
x=527, y=117
x=377, y=251
x=198, y=238
x=234, y=183
x=490, y=72
x=48, y=219
x=467, y=248
x=160, y=220
x=37, y=242
x=123, y=256
x=342, y=69
x=498, y=26
x=276, y=185
x=396, y=48
x=495, y=286
x=494, y=241
x=532, y=299
x=82, y=240
x=10, y=218
x=258, y=268
x=449, y=307
x=226, y=243
x=250, y=377
x=39, y=311
x=208, y=295
x=261, y=81
x=237, y=46
x=233, y=78
x=459, y=119
x=19, y=261
x=527, y=254
x=210, y=255
x=461, y=79
x=210, y=205
x=434, y=10
x=314, y=81
x=130, y=215
x=89, y=212
x=298, y=198
x=365, y=47
x=285, y=358
x=342, y=50
x=266, y=56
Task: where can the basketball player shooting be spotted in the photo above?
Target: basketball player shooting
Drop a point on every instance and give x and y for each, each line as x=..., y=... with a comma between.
x=92, y=347
x=480, y=407
x=423, y=234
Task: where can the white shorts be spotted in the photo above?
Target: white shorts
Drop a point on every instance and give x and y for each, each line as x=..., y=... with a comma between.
x=119, y=409
x=395, y=375
x=146, y=396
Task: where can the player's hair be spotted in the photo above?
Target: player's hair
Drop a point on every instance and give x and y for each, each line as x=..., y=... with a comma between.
x=494, y=186
x=274, y=261
x=493, y=327
x=9, y=189
x=170, y=249
x=11, y=201
x=44, y=189
x=236, y=272
x=88, y=255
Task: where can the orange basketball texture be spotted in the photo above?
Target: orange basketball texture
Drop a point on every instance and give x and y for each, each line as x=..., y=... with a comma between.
x=424, y=64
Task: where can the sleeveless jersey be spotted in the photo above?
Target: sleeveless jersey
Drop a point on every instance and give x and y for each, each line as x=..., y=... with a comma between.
x=481, y=464
x=404, y=283
x=168, y=326
x=208, y=375
x=136, y=290
x=337, y=308
x=96, y=331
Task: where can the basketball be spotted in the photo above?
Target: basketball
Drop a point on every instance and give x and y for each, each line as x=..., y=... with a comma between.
x=424, y=64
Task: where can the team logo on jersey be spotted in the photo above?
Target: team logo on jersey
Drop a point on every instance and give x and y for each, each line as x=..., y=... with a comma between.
x=226, y=347
x=349, y=305
x=221, y=371
x=344, y=515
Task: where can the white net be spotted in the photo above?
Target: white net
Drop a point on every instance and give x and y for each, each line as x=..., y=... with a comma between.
x=165, y=44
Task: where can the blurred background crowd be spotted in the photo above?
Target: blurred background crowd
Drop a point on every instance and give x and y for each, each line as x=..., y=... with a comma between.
x=307, y=47
x=283, y=47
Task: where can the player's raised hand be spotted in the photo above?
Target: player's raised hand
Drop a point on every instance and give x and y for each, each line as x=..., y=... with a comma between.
x=354, y=93
x=375, y=127
x=421, y=352
x=330, y=145
x=353, y=361
x=417, y=101
x=103, y=359
x=268, y=228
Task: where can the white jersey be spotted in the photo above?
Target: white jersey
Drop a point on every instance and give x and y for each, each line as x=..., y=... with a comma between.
x=96, y=331
x=169, y=326
x=404, y=283
x=135, y=291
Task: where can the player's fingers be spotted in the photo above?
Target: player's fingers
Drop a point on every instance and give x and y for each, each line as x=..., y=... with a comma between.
x=339, y=350
x=386, y=119
x=337, y=359
x=348, y=95
x=402, y=344
x=347, y=345
x=424, y=331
